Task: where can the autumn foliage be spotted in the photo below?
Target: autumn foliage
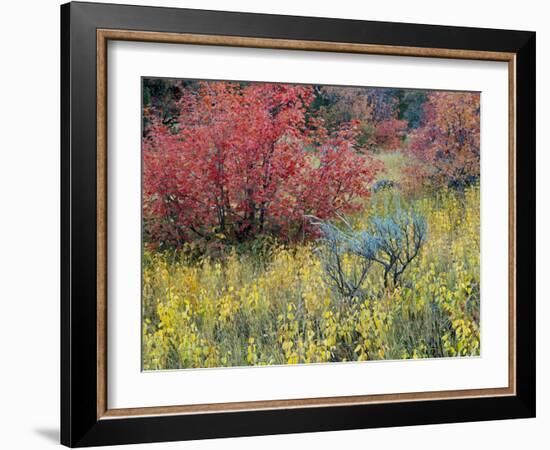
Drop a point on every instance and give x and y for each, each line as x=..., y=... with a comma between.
x=447, y=144
x=389, y=134
x=295, y=224
x=381, y=128
x=241, y=160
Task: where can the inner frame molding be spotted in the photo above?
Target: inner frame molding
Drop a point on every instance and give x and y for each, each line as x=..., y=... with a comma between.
x=103, y=36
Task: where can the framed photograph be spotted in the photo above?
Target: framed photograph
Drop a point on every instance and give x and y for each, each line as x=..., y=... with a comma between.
x=276, y=224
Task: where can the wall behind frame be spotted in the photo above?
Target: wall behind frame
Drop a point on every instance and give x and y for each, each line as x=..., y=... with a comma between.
x=29, y=191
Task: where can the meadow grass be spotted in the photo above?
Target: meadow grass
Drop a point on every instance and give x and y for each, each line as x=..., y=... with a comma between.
x=394, y=162
x=280, y=308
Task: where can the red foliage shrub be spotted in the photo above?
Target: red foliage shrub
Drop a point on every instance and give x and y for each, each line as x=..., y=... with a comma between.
x=243, y=160
x=447, y=144
x=389, y=134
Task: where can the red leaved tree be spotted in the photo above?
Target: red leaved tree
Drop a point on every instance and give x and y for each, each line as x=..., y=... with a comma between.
x=389, y=134
x=242, y=160
x=375, y=108
x=447, y=144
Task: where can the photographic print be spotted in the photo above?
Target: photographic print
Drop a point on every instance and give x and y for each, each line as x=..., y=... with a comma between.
x=297, y=224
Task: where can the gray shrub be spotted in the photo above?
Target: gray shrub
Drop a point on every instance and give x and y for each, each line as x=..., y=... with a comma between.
x=392, y=241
